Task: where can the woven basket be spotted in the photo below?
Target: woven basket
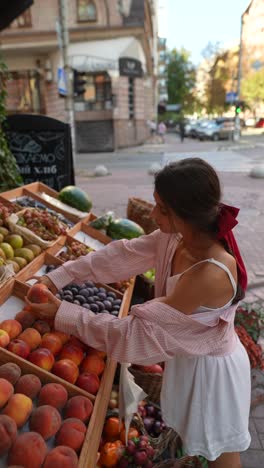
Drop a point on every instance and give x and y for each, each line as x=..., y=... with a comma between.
x=139, y=210
x=149, y=382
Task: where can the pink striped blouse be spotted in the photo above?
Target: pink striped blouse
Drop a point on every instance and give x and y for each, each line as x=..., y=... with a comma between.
x=153, y=332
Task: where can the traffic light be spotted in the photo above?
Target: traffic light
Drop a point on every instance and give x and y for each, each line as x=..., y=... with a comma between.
x=239, y=107
x=79, y=82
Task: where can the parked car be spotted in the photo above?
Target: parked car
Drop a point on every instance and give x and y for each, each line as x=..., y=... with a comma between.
x=217, y=130
x=198, y=127
x=260, y=123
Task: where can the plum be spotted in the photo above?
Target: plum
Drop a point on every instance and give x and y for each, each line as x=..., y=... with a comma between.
x=116, y=307
x=100, y=305
x=112, y=294
x=80, y=298
x=76, y=302
x=94, y=308
x=108, y=305
x=89, y=284
x=87, y=306
x=117, y=302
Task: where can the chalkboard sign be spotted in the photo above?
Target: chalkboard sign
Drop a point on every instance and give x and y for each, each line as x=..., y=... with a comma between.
x=42, y=148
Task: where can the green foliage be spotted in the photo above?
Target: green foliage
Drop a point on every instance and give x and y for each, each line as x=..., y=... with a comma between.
x=181, y=79
x=9, y=175
x=253, y=88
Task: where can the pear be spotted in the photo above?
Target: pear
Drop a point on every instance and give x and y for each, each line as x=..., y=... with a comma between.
x=15, y=265
x=15, y=240
x=20, y=261
x=4, y=231
x=36, y=249
x=25, y=253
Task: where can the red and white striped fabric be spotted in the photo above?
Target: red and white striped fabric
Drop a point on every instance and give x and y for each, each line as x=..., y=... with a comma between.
x=154, y=332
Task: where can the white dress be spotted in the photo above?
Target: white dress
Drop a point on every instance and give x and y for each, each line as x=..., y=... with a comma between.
x=212, y=394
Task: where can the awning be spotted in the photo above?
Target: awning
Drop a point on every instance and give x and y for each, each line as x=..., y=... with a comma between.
x=11, y=9
x=103, y=55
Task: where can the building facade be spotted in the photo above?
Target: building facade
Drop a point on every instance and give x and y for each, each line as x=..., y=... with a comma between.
x=112, y=43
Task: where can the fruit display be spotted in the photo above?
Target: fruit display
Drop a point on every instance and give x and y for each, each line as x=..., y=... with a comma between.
x=75, y=197
x=124, y=229
x=15, y=251
x=29, y=202
x=40, y=424
x=43, y=224
x=97, y=299
x=74, y=250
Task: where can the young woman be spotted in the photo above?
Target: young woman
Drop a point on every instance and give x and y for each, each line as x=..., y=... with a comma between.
x=200, y=278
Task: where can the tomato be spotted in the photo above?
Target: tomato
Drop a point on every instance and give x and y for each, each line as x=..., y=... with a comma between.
x=111, y=453
x=111, y=429
x=132, y=433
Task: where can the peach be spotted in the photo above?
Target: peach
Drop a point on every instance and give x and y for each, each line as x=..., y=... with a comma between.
x=19, y=408
x=79, y=407
x=19, y=347
x=42, y=326
x=8, y=433
x=93, y=364
x=101, y=354
x=6, y=391
x=28, y=450
x=61, y=457
x=32, y=337
x=74, y=353
x=76, y=342
x=37, y=294
x=29, y=385
x=46, y=420
x=12, y=327
x=25, y=318
x=66, y=369
x=10, y=371
x=4, y=338
x=53, y=394
x=43, y=358
x=71, y=433
x=88, y=382
x=63, y=336
x=51, y=342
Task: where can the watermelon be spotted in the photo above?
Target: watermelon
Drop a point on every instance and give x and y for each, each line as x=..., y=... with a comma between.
x=75, y=197
x=124, y=229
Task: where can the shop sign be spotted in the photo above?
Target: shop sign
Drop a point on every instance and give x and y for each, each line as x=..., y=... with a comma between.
x=130, y=67
x=42, y=148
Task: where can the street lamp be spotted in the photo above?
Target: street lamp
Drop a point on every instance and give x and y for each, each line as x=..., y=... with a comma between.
x=239, y=76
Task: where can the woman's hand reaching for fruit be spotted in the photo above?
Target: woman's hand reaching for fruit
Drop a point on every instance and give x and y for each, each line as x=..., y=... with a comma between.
x=45, y=310
x=45, y=280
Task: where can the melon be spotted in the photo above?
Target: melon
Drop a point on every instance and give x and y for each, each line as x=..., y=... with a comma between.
x=124, y=229
x=75, y=197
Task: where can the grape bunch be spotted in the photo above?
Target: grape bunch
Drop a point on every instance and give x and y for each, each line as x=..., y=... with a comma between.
x=138, y=452
x=74, y=250
x=6, y=211
x=98, y=300
x=28, y=202
x=42, y=223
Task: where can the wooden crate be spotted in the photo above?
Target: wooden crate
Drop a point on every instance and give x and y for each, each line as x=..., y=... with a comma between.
x=88, y=232
x=19, y=290
x=34, y=191
x=34, y=267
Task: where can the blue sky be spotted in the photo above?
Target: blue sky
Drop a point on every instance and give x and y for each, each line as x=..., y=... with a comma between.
x=192, y=23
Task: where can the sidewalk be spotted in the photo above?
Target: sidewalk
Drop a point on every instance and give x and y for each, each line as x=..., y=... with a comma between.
x=112, y=193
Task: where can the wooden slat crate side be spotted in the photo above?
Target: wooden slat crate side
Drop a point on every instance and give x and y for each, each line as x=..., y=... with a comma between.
x=45, y=258
x=13, y=194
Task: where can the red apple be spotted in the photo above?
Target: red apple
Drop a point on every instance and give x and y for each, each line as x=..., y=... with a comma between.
x=19, y=347
x=88, y=382
x=43, y=358
x=4, y=338
x=37, y=293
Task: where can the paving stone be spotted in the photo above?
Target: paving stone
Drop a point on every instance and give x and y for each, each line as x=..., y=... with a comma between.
x=259, y=425
x=252, y=459
x=255, y=441
x=261, y=438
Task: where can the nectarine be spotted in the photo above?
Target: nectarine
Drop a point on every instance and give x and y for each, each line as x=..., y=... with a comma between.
x=37, y=293
x=28, y=450
x=88, y=382
x=66, y=369
x=19, y=347
x=79, y=407
x=43, y=358
x=74, y=353
x=12, y=327
x=53, y=394
x=71, y=433
x=19, y=408
x=51, y=342
x=93, y=364
x=6, y=391
x=32, y=337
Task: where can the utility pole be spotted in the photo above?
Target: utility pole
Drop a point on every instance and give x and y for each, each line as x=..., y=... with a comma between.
x=239, y=76
x=64, y=36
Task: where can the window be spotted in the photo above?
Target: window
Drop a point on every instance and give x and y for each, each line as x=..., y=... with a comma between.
x=86, y=10
x=98, y=93
x=23, y=92
x=131, y=95
x=23, y=21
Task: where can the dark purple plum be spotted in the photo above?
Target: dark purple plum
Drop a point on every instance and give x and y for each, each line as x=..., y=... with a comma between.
x=95, y=290
x=87, y=306
x=116, y=307
x=76, y=302
x=100, y=305
x=80, y=298
x=90, y=300
x=84, y=292
x=111, y=294
x=89, y=284
x=103, y=290
x=102, y=296
x=110, y=298
x=117, y=302
x=108, y=305
x=68, y=298
x=94, y=308
x=74, y=290
x=91, y=291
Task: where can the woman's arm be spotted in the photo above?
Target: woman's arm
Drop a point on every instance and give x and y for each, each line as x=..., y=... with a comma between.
x=119, y=260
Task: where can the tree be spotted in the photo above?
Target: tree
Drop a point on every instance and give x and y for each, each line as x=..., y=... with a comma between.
x=252, y=88
x=9, y=174
x=181, y=79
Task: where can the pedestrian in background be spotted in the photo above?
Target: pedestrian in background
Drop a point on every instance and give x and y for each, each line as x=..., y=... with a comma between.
x=182, y=130
x=162, y=130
